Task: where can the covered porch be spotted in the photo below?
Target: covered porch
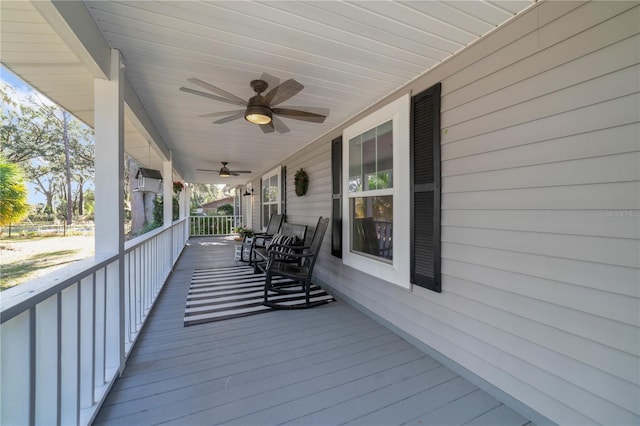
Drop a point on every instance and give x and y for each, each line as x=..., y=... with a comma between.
x=531, y=114
x=328, y=365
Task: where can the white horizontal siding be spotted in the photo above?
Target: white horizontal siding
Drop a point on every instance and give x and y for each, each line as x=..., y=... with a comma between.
x=594, y=223
x=611, y=251
x=621, y=139
x=540, y=214
x=603, y=115
x=600, y=196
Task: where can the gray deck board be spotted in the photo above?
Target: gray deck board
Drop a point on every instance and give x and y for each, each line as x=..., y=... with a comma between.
x=325, y=366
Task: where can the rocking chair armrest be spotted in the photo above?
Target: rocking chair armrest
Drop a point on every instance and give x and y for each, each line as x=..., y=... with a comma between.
x=262, y=234
x=289, y=250
x=292, y=251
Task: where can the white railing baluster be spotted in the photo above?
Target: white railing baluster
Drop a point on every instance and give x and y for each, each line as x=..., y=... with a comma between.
x=87, y=341
x=68, y=355
x=99, y=328
x=47, y=361
x=17, y=390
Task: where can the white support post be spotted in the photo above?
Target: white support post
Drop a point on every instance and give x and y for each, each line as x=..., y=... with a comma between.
x=187, y=211
x=167, y=190
x=184, y=206
x=109, y=211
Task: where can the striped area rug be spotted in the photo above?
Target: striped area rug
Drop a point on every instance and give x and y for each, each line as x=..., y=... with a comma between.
x=221, y=293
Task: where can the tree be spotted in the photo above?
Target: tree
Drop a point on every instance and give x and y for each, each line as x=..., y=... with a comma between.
x=13, y=193
x=203, y=193
x=225, y=210
x=55, y=149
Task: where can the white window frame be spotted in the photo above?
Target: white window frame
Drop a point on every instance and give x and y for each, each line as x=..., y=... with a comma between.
x=267, y=176
x=399, y=270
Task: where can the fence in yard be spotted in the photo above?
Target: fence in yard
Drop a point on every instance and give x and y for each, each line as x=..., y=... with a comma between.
x=49, y=229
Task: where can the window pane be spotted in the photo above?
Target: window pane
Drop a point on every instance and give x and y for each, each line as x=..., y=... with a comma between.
x=385, y=156
x=273, y=189
x=371, y=159
x=369, y=152
x=265, y=191
x=371, y=226
x=266, y=214
x=355, y=164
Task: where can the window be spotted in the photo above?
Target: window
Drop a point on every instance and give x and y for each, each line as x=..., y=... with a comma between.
x=371, y=178
x=271, y=199
x=376, y=153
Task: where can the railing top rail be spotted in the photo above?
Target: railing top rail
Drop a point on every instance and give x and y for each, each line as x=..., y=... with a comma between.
x=17, y=300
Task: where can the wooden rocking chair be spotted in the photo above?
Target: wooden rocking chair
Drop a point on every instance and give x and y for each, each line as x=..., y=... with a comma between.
x=295, y=263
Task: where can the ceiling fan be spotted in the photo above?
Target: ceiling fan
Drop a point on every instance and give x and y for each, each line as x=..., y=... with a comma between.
x=225, y=172
x=260, y=108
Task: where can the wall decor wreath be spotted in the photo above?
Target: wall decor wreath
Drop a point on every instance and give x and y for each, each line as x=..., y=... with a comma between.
x=301, y=182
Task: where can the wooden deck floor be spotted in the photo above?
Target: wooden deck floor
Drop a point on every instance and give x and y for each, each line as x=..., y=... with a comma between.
x=325, y=366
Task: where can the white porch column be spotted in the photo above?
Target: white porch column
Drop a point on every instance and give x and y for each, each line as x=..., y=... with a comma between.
x=109, y=138
x=167, y=191
x=184, y=202
x=187, y=210
x=109, y=208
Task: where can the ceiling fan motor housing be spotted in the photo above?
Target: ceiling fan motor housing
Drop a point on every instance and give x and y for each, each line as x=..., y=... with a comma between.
x=257, y=112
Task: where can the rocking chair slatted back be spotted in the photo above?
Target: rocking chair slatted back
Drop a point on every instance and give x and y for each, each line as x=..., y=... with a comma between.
x=316, y=243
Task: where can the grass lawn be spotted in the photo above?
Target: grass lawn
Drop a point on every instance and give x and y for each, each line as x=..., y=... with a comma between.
x=24, y=259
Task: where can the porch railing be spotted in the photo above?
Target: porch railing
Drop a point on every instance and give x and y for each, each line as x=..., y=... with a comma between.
x=203, y=226
x=65, y=339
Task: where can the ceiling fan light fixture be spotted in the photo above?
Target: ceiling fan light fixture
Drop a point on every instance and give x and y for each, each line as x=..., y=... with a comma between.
x=257, y=114
x=224, y=172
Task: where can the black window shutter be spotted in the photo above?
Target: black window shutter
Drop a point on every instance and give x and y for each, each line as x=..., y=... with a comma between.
x=336, y=197
x=283, y=190
x=425, y=189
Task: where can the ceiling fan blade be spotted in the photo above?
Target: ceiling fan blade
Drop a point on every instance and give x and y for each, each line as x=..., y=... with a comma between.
x=210, y=96
x=297, y=114
x=313, y=110
x=217, y=90
x=206, y=170
x=279, y=125
x=270, y=80
x=233, y=173
x=230, y=118
x=283, y=92
x=241, y=171
x=221, y=113
x=267, y=128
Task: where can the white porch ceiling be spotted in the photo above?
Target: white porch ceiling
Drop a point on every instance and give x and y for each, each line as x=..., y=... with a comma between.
x=348, y=55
